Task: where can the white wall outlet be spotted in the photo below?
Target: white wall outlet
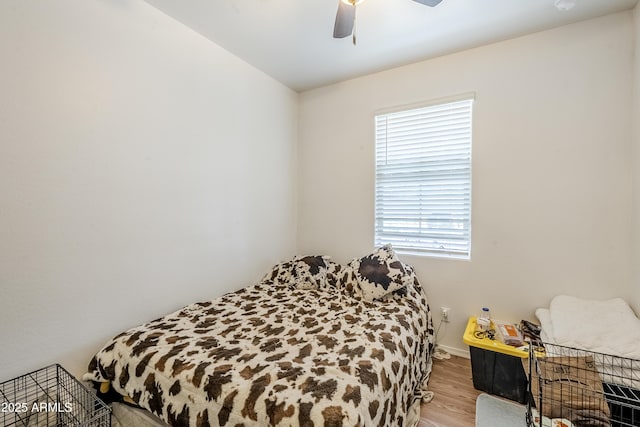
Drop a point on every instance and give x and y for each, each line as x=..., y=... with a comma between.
x=444, y=313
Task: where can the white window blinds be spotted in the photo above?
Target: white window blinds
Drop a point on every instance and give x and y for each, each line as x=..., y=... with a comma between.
x=423, y=179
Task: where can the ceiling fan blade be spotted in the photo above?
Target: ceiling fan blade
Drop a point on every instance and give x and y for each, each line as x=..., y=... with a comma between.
x=431, y=3
x=344, y=20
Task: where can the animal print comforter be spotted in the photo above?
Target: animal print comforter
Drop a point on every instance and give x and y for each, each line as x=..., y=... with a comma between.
x=277, y=354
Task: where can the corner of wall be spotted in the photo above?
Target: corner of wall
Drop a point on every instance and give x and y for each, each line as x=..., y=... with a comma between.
x=635, y=283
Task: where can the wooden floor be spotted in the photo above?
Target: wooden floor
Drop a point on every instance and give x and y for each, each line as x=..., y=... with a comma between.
x=454, y=401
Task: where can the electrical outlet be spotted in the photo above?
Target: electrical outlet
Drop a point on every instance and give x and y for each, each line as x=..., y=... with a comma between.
x=444, y=313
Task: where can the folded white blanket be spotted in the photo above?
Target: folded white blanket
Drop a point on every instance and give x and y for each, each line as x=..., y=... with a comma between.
x=609, y=326
x=546, y=327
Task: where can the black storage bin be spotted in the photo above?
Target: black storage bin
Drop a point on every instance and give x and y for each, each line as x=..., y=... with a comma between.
x=498, y=374
x=624, y=404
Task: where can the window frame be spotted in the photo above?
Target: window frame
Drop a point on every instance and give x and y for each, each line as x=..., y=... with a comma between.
x=427, y=249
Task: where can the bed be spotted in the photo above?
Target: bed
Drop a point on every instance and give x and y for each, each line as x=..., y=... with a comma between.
x=314, y=343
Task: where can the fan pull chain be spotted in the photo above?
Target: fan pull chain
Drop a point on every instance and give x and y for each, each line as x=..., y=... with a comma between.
x=353, y=35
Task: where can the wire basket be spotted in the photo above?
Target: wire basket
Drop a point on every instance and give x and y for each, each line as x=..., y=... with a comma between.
x=582, y=387
x=49, y=397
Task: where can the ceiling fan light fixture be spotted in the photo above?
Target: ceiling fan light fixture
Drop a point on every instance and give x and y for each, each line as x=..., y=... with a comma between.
x=346, y=17
x=565, y=5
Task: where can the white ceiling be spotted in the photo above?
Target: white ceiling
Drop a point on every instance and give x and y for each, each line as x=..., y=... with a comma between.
x=291, y=40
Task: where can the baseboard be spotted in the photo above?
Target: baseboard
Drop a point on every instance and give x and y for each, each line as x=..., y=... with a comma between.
x=455, y=351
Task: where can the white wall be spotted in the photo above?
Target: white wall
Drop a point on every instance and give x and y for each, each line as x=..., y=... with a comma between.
x=142, y=168
x=551, y=168
x=635, y=295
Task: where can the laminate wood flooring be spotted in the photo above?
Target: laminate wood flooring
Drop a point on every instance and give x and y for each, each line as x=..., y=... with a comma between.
x=454, y=401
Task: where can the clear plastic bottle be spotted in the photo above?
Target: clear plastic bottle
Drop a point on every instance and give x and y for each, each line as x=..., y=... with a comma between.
x=483, y=323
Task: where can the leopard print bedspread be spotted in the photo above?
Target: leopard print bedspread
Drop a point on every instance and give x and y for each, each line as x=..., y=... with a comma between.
x=269, y=355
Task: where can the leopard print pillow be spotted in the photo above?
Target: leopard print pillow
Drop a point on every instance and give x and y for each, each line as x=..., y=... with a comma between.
x=379, y=273
x=280, y=275
x=304, y=272
x=310, y=272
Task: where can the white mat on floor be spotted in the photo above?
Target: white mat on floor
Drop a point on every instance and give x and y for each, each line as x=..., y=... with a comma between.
x=128, y=416
x=494, y=412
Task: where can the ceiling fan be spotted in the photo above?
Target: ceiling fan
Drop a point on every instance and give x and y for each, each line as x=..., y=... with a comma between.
x=346, y=17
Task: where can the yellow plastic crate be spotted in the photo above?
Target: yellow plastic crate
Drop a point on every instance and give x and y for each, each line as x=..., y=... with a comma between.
x=470, y=339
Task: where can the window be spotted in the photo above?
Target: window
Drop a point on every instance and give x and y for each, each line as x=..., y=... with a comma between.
x=423, y=179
